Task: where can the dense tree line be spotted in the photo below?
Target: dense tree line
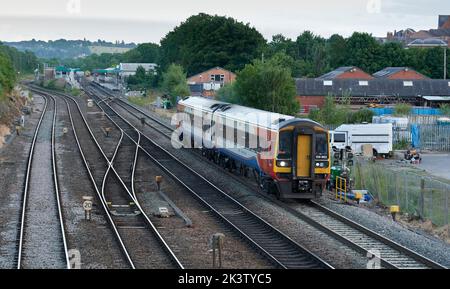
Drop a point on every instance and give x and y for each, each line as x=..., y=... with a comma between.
x=23, y=62
x=143, y=53
x=63, y=48
x=7, y=74
x=312, y=55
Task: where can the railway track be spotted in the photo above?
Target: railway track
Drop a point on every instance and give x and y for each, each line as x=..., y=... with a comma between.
x=138, y=238
x=354, y=235
x=41, y=217
x=275, y=245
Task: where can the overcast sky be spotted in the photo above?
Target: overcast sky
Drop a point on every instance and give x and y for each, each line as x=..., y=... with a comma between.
x=148, y=20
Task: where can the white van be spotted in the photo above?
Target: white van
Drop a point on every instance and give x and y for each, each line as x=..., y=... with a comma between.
x=379, y=135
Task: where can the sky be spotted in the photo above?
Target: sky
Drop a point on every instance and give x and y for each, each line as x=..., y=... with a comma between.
x=148, y=21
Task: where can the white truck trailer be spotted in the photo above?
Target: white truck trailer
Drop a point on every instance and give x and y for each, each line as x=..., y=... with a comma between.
x=379, y=135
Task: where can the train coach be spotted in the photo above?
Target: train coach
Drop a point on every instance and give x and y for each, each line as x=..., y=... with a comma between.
x=288, y=156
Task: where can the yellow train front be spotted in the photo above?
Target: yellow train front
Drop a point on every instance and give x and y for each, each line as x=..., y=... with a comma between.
x=301, y=160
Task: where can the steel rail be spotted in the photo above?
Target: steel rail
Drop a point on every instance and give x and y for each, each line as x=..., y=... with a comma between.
x=352, y=243
x=273, y=254
x=91, y=176
x=154, y=230
x=55, y=183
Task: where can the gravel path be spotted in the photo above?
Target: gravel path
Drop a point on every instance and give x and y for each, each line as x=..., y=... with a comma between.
x=13, y=161
x=42, y=239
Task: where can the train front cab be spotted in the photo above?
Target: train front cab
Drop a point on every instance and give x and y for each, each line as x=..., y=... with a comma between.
x=302, y=160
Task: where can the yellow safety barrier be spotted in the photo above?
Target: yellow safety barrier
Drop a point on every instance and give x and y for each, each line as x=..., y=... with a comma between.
x=341, y=188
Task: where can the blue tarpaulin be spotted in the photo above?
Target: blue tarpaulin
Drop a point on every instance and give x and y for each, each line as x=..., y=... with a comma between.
x=414, y=110
x=415, y=135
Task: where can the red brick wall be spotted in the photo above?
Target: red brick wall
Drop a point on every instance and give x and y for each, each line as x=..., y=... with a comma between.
x=410, y=74
x=310, y=101
x=356, y=74
x=206, y=76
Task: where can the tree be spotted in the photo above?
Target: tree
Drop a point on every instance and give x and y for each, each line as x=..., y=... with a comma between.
x=141, y=80
x=363, y=51
x=227, y=93
x=336, y=47
x=175, y=83
x=204, y=41
x=143, y=53
x=268, y=86
x=7, y=75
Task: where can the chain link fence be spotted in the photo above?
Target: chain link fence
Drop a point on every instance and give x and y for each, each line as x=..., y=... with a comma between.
x=417, y=195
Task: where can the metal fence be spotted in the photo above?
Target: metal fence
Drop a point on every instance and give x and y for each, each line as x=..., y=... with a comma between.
x=429, y=137
x=417, y=195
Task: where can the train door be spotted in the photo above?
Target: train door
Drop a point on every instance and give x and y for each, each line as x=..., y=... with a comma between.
x=304, y=155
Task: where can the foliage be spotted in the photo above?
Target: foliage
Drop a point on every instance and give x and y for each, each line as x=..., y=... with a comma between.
x=174, y=82
x=402, y=144
x=7, y=75
x=23, y=62
x=65, y=49
x=332, y=114
x=362, y=115
x=445, y=109
x=314, y=55
x=228, y=94
x=204, y=41
x=143, y=53
x=142, y=80
x=402, y=109
x=268, y=86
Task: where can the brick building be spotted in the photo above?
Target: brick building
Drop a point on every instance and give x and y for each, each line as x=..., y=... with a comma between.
x=208, y=82
x=311, y=93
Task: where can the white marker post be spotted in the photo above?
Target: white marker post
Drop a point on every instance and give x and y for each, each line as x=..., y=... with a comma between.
x=87, y=206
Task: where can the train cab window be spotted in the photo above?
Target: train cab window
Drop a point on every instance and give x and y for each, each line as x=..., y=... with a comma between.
x=285, y=145
x=339, y=137
x=321, y=144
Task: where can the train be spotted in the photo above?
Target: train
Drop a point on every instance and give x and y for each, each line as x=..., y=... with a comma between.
x=289, y=157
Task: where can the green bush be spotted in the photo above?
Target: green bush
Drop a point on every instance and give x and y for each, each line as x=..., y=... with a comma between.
x=402, y=109
x=445, y=109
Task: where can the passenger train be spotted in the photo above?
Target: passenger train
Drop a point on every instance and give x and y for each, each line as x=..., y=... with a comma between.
x=288, y=156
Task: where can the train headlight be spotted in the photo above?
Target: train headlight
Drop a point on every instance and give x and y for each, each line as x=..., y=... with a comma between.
x=321, y=164
x=283, y=164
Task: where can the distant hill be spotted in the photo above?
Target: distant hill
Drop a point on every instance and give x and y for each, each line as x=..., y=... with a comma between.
x=65, y=49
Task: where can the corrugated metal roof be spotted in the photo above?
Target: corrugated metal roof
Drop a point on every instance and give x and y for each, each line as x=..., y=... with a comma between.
x=335, y=73
x=375, y=87
x=427, y=42
x=132, y=67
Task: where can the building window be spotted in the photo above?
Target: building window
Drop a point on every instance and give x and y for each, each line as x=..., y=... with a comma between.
x=407, y=83
x=363, y=83
x=217, y=77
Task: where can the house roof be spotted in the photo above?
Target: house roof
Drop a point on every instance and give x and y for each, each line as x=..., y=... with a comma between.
x=432, y=42
x=374, y=87
x=388, y=71
x=338, y=71
x=132, y=67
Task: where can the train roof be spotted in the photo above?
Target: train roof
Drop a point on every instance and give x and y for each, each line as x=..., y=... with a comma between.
x=240, y=113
